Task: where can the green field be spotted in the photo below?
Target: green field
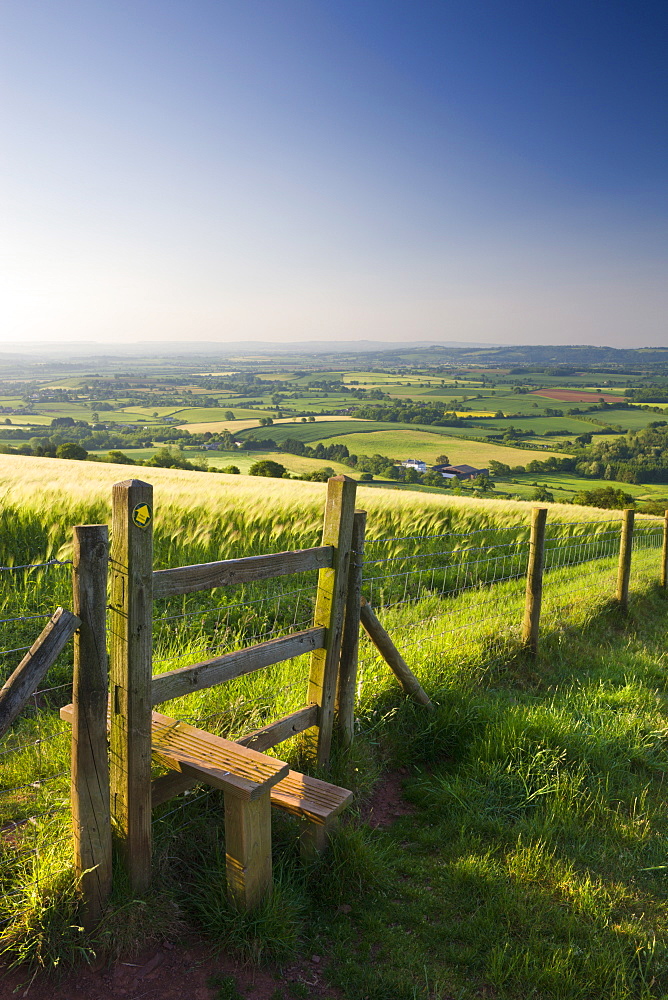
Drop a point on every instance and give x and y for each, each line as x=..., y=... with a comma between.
x=402, y=444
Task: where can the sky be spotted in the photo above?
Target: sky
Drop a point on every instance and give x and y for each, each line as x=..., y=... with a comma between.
x=336, y=170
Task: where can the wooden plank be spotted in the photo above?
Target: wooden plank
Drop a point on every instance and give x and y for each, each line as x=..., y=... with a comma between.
x=91, y=818
x=275, y=733
x=167, y=786
x=176, y=683
x=248, y=850
x=625, y=551
x=330, y=611
x=347, y=687
x=534, y=588
x=130, y=626
x=392, y=656
x=206, y=576
x=310, y=798
x=222, y=763
x=41, y=656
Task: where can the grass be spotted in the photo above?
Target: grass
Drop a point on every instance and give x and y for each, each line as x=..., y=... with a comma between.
x=533, y=865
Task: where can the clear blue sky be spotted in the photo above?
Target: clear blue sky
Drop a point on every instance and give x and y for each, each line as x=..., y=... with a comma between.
x=334, y=169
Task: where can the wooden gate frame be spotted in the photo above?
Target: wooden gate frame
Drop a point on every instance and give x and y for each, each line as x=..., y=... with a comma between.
x=134, y=585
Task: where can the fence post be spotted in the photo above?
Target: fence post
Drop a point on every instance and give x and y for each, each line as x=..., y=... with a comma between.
x=664, y=554
x=91, y=820
x=351, y=634
x=330, y=608
x=131, y=610
x=534, y=589
x=625, y=550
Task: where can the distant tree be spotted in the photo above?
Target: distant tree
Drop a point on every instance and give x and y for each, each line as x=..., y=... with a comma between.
x=483, y=483
x=95, y=417
x=231, y=470
x=607, y=497
x=71, y=450
x=442, y=460
x=118, y=458
x=268, y=468
x=542, y=494
x=229, y=415
x=62, y=422
x=311, y=420
x=366, y=477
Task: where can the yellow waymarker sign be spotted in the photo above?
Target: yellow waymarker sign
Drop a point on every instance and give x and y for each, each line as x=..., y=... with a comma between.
x=142, y=515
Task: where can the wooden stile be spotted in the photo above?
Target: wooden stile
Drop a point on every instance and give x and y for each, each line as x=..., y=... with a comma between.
x=392, y=656
x=664, y=554
x=41, y=656
x=176, y=683
x=351, y=634
x=91, y=820
x=534, y=589
x=248, y=850
x=330, y=609
x=130, y=614
x=230, y=572
x=167, y=786
x=625, y=551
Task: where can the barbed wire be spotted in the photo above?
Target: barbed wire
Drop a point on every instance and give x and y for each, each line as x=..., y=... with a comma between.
x=40, y=565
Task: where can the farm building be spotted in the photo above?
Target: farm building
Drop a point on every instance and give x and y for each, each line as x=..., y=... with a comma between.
x=460, y=471
x=415, y=463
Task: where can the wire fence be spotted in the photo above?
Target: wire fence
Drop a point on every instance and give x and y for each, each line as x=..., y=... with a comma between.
x=457, y=600
x=35, y=754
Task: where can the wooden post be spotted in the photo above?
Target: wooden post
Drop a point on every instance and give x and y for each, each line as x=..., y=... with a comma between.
x=131, y=610
x=625, y=550
x=330, y=608
x=534, y=589
x=664, y=554
x=91, y=820
x=248, y=849
x=392, y=656
x=35, y=664
x=351, y=634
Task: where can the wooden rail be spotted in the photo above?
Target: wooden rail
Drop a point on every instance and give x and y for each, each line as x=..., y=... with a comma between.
x=38, y=660
x=229, y=572
x=176, y=683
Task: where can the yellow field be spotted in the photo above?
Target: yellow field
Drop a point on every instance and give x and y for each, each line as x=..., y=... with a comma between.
x=403, y=444
x=62, y=484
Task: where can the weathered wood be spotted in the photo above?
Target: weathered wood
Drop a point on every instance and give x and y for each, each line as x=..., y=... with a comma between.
x=314, y=838
x=275, y=733
x=167, y=786
x=310, y=798
x=176, y=683
x=41, y=656
x=248, y=850
x=392, y=656
x=625, y=551
x=91, y=819
x=534, y=588
x=130, y=614
x=664, y=554
x=347, y=689
x=330, y=610
x=206, y=576
x=216, y=761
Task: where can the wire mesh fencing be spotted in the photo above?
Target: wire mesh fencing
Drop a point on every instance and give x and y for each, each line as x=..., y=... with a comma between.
x=35, y=753
x=457, y=601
